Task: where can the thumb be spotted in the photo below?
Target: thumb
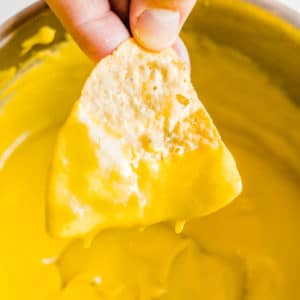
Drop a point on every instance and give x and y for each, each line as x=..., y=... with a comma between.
x=156, y=24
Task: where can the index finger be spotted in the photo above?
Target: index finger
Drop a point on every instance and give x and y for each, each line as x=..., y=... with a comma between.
x=92, y=23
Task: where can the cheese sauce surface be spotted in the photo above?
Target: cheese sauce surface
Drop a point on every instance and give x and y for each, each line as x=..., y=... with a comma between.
x=249, y=250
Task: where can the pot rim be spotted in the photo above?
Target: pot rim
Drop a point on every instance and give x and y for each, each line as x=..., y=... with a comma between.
x=275, y=7
x=13, y=23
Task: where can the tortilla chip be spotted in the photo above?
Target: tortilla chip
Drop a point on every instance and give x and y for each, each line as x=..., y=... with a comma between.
x=138, y=148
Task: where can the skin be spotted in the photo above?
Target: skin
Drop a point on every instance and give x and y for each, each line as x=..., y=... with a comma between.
x=99, y=26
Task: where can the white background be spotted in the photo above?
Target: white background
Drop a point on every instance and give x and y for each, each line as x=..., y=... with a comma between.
x=10, y=7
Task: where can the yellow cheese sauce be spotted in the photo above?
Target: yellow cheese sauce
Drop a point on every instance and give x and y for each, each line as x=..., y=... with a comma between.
x=249, y=250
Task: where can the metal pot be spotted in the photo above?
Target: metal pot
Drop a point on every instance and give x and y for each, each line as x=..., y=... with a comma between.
x=272, y=41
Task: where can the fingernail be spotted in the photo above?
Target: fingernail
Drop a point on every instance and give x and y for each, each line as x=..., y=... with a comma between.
x=157, y=29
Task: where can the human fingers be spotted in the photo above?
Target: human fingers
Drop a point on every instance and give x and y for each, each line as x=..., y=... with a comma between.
x=155, y=24
x=92, y=23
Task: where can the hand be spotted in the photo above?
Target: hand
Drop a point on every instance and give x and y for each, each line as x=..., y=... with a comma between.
x=99, y=26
